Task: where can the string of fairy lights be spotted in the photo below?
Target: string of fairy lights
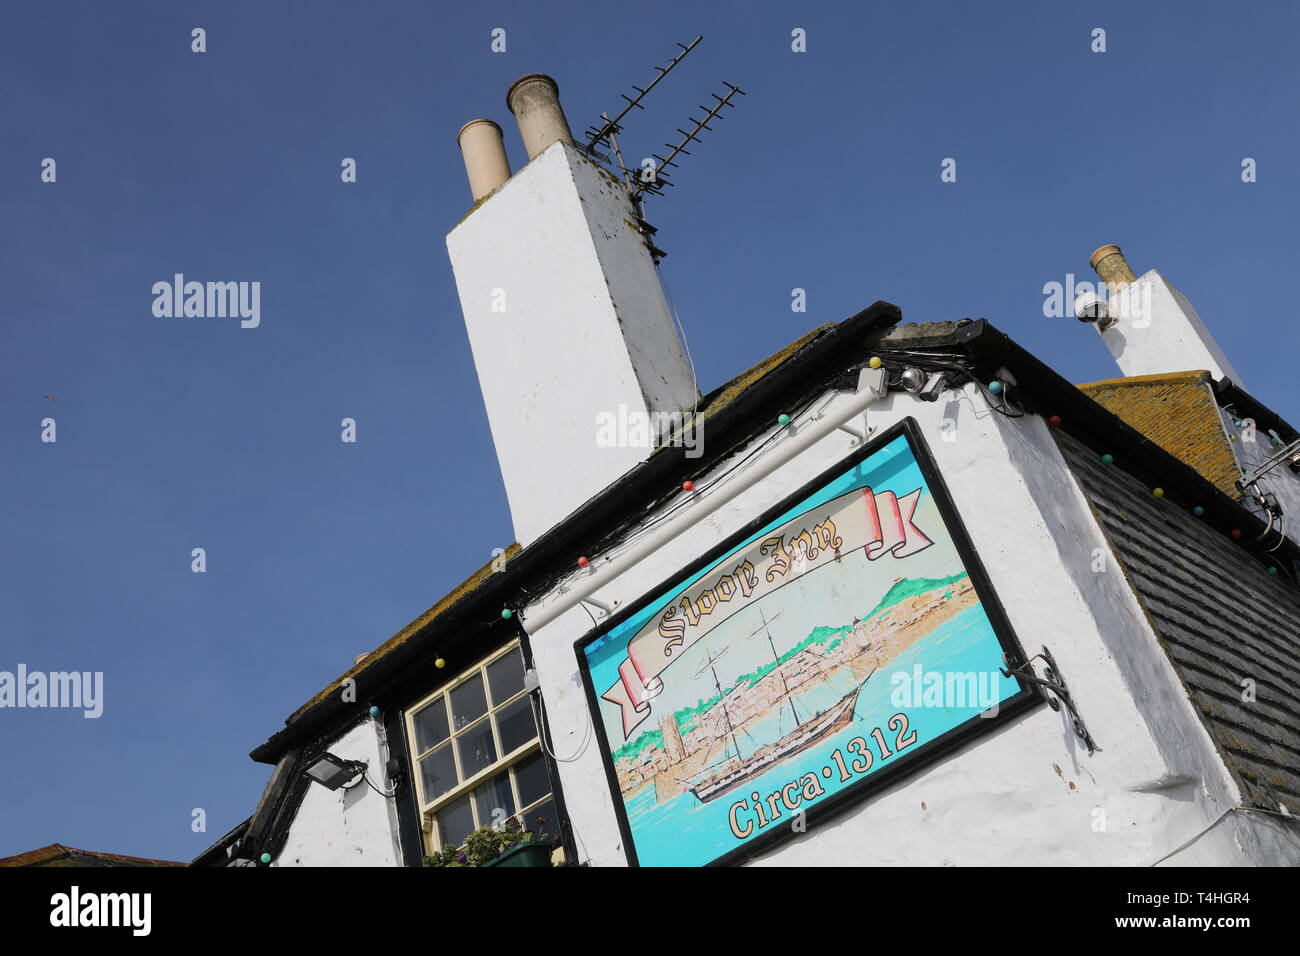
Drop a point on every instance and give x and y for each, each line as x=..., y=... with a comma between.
x=906, y=369
x=953, y=371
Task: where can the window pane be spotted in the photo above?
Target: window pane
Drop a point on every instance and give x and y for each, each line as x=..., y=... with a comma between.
x=455, y=822
x=530, y=776
x=515, y=724
x=477, y=749
x=492, y=796
x=549, y=827
x=506, y=676
x=431, y=725
x=467, y=702
x=439, y=772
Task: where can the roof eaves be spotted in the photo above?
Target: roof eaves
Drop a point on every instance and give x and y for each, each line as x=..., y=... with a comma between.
x=733, y=412
x=215, y=855
x=1247, y=406
x=1106, y=433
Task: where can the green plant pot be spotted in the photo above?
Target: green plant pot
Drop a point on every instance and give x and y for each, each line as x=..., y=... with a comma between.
x=530, y=853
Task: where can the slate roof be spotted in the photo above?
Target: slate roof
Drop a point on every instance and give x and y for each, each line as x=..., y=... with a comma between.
x=1221, y=618
x=1217, y=613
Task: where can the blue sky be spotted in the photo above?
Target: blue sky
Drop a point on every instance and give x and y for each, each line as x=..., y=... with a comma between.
x=175, y=434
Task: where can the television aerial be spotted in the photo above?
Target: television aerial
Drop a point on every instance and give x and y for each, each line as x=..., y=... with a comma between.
x=651, y=176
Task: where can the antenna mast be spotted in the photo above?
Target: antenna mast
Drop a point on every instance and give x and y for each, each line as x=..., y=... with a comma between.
x=658, y=179
x=650, y=179
x=611, y=126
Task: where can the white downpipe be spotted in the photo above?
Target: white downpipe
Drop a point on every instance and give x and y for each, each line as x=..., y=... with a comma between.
x=803, y=439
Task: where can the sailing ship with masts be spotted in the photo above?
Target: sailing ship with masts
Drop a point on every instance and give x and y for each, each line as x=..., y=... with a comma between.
x=736, y=769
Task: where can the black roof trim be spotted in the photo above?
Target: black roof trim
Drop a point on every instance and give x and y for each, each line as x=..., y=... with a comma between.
x=662, y=473
x=215, y=855
x=822, y=361
x=1247, y=406
x=1039, y=389
x=1044, y=391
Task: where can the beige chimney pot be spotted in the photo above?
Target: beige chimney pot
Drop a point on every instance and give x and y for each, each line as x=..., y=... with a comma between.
x=484, y=152
x=535, y=101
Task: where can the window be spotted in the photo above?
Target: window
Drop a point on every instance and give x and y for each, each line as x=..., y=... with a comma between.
x=477, y=754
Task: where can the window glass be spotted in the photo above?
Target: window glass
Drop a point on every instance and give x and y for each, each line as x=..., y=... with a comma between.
x=455, y=822
x=431, y=725
x=467, y=730
x=515, y=724
x=530, y=777
x=476, y=748
x=439, y=772
x=549, y=825
x=493, y=796
x=506, y=676
x=468, y=703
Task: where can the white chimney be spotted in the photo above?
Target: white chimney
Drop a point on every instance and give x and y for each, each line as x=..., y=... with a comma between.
x=567, y=323
x=1150, y=327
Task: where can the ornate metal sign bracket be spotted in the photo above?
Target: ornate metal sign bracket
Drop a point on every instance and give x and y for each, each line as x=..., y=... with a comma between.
x=1053, y=688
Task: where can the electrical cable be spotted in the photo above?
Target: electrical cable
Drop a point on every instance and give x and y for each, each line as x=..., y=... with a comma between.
x=1221, y=817
x=1183, y=846
x=647, y=527
x=382, y=793
x=947, y=363
x=677, y=506
x=587, y=735
x=695, y=381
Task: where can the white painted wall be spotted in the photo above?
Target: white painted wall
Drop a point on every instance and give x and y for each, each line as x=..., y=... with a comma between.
x=1157, y=330
x=1027, y=792
x=585, y=329
x=354, y=827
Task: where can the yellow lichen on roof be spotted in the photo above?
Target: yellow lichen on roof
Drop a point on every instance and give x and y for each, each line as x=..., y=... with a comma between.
x=1177, y=411
x=401, y=637
x=732, y=390
x=720, y=398
x=715, y=402
x=56, y=854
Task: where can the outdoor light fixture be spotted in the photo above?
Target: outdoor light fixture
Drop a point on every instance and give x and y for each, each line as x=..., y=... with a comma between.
x=332, y=772
x=934, y=387
x=912, y=379
x=1089, y=307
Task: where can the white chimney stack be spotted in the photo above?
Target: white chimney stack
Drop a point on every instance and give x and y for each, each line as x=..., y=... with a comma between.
x=567, y=321
x=1150, y=327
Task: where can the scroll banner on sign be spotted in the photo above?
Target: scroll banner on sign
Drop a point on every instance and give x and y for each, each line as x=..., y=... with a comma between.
x=879, y=524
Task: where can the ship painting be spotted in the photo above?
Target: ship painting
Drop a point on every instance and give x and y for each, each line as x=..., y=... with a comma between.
x=736, y=769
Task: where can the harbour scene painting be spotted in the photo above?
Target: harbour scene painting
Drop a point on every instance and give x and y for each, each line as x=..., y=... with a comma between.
x=839, y=637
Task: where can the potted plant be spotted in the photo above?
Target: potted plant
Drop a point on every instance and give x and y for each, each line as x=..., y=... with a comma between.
x=511, y=845
x=528, y=847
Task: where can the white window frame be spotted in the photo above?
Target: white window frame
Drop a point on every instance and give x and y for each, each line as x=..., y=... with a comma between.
x=504, y=762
